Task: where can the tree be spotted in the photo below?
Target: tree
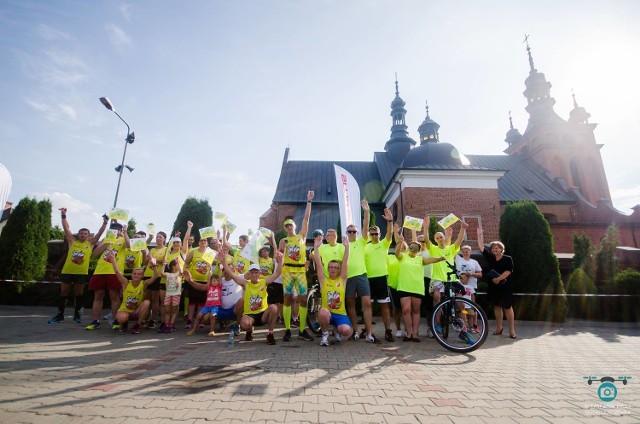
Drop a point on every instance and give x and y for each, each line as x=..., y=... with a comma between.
x=584, y=254
x=23, y=242
x=131, y=227
x=606, y=261
x=197, y=211
x=56, y=233
x=528, y=239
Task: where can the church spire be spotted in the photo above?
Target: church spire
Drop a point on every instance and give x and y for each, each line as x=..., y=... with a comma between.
x=428, y=130
x=578, y=114
x=513, y=135
x=399, y=143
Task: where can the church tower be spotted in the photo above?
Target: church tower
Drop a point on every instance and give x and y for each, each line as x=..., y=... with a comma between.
x=566, y=149
x=400, y=143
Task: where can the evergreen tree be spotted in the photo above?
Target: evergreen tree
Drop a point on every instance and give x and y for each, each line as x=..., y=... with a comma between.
x=584, y=253
x=606, y=261
x=23, y=242
x=528, y=240
x=197, y=211
x=131, y=227
x=56, y=233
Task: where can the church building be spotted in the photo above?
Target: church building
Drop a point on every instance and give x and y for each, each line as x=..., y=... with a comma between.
x=555, y=163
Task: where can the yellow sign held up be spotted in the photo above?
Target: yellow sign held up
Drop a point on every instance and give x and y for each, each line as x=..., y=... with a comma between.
x=111, y=236
x=448, y=221
x=119, y=214
x=412, y=223
x=207, y=232
x=138, y=244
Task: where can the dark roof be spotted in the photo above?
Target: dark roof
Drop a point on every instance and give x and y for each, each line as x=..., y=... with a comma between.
x=524, y=179
x=298, y=177
x=386, y=167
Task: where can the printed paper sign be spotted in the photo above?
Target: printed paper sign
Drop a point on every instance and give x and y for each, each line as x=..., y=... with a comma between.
x=207, y=232
x=448, y=221
x=220, y=216
x=151, y=229
x=265, y=232
x=412, y=223
x=119, y=214
x=209, y=255
x=111, y=236
x=250, y=251
x=230, y=227
x=138, y=244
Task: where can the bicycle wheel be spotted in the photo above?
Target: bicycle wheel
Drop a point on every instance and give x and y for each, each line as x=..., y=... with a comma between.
x=313, y=307
x=462, y=323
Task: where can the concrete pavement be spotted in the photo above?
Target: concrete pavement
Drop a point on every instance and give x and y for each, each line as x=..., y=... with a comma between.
x=63, y=374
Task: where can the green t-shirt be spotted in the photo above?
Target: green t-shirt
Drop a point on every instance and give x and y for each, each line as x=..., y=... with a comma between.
x=375, y=257
x=330, y=253
x=440, y=269
x=357, y=265
x=394, y=268
x=410, y=275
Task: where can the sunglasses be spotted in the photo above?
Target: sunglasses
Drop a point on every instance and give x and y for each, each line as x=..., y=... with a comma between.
x=374, y=234
x=352, y=231
x=413, y=248
x=333, y=267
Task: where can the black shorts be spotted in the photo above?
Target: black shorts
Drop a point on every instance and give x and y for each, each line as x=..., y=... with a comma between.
x=163, y=287
x=197, y=296
x=257, y=318
x=275, y=294
x=379, y=289
x=74, y=278
x=395, y=298
x=402, y=294
x=155, y=286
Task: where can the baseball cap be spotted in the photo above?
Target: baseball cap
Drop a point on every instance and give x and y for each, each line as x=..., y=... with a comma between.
x=318, y=232
x=115, y=226
x=289, y=222
x=175, y=239
x=254, y=267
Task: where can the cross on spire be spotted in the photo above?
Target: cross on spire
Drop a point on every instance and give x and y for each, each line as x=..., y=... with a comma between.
x=526, y=41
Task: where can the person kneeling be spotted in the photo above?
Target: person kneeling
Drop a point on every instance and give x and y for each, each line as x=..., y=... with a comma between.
x=332, y=289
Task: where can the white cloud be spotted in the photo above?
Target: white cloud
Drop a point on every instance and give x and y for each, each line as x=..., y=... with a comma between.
x=117, y=35
x=60, y=68
x=53, y=113
x=80, y=214
x=125, y=9
x=69, y=111
x=48, y=33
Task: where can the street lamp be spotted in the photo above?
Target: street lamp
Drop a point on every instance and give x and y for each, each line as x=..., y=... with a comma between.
x=131, y=137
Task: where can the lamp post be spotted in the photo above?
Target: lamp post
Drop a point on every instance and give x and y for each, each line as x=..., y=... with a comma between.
x=131, y=137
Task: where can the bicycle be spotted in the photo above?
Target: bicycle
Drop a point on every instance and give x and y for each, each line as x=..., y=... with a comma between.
x=314, y=303
x=449, y=320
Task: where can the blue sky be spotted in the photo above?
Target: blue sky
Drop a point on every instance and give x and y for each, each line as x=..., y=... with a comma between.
x=215, y=91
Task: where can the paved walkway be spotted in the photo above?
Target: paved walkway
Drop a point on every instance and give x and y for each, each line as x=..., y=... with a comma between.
x=64, y=374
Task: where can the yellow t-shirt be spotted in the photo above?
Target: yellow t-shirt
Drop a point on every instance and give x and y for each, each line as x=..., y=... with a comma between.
x=199, y=267
x=333, y=297
x=131, y=260
x=393, y=266
x=440, y=269
x=411, y=274
x=158, y=253
x=357, y=265
x=78, y=256
x=240, y=263
x=375, y=257
x=266, y=266
x=171, y=256
x=255, y=297
x=132, y=297
x=104, y=267
x=294, y=254
x=330, y=253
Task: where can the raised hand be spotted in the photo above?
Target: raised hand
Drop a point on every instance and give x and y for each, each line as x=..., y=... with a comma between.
x=310, y=195
x=365, y=205
x=387, y=215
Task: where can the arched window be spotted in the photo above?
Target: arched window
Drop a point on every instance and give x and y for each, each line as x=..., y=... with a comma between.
x=575, y=174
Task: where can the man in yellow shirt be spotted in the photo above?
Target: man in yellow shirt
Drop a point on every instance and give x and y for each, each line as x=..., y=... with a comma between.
x=76, y=267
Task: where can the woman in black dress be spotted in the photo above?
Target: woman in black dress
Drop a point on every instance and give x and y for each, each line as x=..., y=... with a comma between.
x=500, y=290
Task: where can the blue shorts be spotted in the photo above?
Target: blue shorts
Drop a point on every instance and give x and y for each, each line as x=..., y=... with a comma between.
x=213, y=310
x=226, y=314
x=338, y=320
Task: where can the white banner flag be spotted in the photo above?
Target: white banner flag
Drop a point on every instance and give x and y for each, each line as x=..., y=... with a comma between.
x=250, y=251
x=348, y=199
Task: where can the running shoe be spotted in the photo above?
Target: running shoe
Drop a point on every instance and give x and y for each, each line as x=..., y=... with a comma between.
x=465, y=337
x=135, y=329
x=212, y=333
x=355, y=336
x=77, y=319
x=325, y=339
x=151, y=324
x=399, y=333
x=248, y=336
x=236, y=330
x=56, y=319
x=303, y=335
x=287, y=336
x=388, y=336
x=337, y=337
x=438, y=329
x=371, y=338
x=271, y=340
x=123, y=327
x=187, y=325
x=115, y=325
x=95, y=324
x=200, y=325
x=295, y=322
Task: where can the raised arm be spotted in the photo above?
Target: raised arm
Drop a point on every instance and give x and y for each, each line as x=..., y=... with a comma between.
x=228, y=271
x=480, y=239
x=125, y=234
x=68, y=235
x=463, y=228
x=365, y=219
x=430, y=260
x=272, y=239
x=185, y=240
x=318, y=261
x=396, y=233
x=307, y=214
x=388, y=216
x=273, y=277
x=448, y=235
x=345, y=259
x=114, y=262
x=425, y=231
x=400, y=247
x=99, y=249
x=96, y=237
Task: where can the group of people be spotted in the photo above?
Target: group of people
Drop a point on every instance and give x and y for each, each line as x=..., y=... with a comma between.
x=218, y=284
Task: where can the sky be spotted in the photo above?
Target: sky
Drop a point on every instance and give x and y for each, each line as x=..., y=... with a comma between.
x=216, y=90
